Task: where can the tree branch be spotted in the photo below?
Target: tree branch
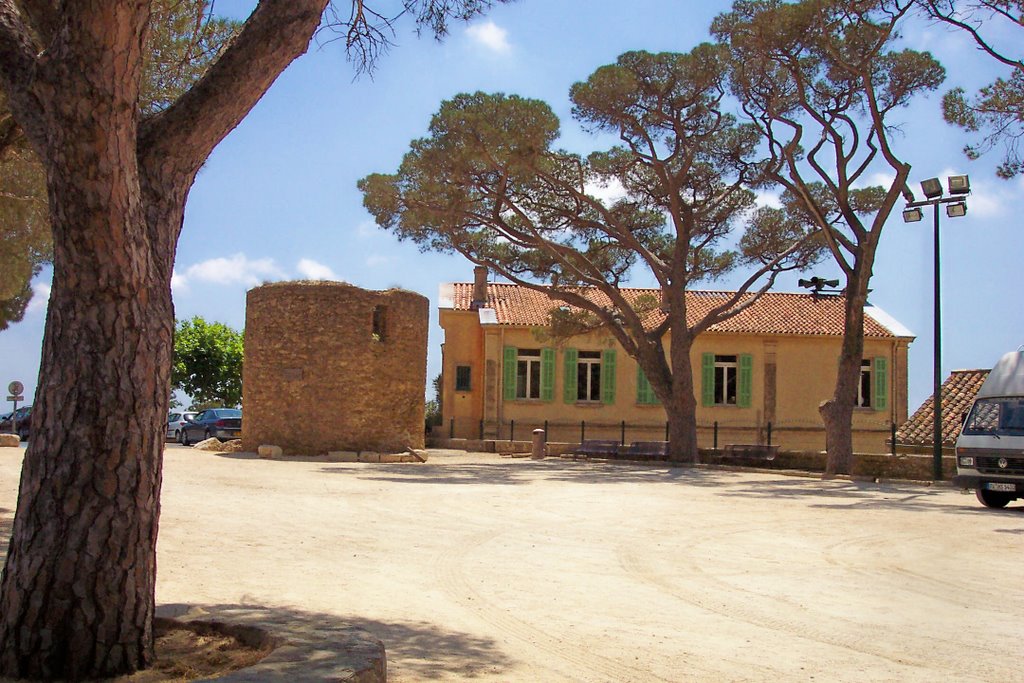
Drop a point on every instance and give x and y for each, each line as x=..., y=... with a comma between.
x=179, y=139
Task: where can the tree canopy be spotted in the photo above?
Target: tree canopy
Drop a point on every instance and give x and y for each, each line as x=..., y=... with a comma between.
x=488, y=183
x=207, y=363
x=821, y=80
x=996, y=111
x=183, y=40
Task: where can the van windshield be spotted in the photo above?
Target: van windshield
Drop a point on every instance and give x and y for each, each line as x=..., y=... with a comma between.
x=999, y=416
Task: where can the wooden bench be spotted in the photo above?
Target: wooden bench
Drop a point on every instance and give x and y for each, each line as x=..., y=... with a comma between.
x=598, y=448
x=751, y=451
x=647, y=450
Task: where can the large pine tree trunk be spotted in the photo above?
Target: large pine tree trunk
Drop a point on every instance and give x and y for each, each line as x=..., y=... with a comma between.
x=78, y=586
x=837, y=412
x=681, y=408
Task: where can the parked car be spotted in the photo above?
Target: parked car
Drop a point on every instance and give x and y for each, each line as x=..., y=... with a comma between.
x=219, y=423
x=175, y=420
x=23, y=418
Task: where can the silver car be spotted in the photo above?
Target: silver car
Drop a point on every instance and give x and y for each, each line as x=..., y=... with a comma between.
x=175, y=421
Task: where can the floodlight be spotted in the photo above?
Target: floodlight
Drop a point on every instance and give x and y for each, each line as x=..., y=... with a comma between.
x=931, y=188
x=956, y=209
x=959, y=184
x=912, y=215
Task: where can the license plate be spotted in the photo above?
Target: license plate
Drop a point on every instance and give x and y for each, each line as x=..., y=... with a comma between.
x=235, y=432
x=999, y=486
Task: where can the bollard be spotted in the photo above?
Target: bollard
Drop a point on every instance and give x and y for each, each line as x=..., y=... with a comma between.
x=481, y=430
x=512, y=430
x=451, y=429
x=716, y=436
x=545, y=431
x=769, y=433
x=893, y=428
x=583, y=431
x=666, y=431
x=538, y=444
x=623, y=437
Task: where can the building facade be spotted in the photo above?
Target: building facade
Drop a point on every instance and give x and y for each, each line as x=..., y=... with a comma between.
x=759, y=377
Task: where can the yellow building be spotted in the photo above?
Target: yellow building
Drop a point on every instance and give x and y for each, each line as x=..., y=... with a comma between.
x=759, y=377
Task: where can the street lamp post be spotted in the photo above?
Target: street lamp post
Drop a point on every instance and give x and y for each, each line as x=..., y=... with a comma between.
x=959, y=187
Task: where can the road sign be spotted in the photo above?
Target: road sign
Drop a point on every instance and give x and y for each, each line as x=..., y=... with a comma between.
x=15, y=387
x=16, y=397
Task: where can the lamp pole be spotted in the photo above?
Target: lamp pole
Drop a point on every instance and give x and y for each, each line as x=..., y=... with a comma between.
x=937, y=360
x=959, y=187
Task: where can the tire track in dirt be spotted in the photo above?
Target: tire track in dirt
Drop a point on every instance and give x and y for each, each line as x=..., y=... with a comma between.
x=449, y=569
x=732, y=602
x=965, y=591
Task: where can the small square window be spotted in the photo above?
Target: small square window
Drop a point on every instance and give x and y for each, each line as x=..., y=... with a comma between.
x=463, y=374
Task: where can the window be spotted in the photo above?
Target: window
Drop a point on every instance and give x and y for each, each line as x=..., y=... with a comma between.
x=379, y=322
x=873, y=388
x=726, y=369
x=462, y=378
x=864, y=387
x=528, y=373
x=588, y=376
x=727, y=380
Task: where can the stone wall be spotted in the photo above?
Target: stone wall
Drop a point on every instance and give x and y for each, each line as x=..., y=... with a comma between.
x=330, y=366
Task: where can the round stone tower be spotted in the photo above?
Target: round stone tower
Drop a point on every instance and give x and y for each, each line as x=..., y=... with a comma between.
x=332, y=367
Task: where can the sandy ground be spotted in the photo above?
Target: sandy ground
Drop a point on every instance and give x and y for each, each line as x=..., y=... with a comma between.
x=492, y=569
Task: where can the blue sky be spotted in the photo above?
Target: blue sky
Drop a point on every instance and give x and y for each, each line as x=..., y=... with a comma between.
x=277, y=200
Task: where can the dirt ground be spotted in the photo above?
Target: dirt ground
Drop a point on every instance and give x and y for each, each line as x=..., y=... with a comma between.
x=492, y=569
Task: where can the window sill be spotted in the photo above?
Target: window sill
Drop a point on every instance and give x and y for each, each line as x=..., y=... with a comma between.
x=588, y=404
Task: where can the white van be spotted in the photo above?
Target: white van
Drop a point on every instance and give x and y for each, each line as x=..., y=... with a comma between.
x=990, y=448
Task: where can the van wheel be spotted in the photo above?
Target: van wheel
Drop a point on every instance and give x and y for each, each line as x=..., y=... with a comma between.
x=992, y=499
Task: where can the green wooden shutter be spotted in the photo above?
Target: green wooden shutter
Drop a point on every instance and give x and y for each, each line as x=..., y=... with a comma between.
x=547, y=374
x=509, y=369
x=608, y=376
x=707, y=378
x=570, y=359
x=880, y=400
x=644, y=391
x=746, y=379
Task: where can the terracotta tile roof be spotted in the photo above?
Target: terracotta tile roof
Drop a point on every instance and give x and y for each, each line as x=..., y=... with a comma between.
x=957, y=392
x=774, y=313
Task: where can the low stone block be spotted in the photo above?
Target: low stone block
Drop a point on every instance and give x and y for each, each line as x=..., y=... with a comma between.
x=9, y=440
x=369, y=456
x=343, y=456
x=270, y=451
x=391, y=457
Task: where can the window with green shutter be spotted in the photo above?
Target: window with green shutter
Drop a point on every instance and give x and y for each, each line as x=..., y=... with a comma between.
x=509, y=373
x=608, y=377
x=645, y=395
x=881, y=384
x=746, y=380
x=569, y=358
x=547, y=374
x=707, y=379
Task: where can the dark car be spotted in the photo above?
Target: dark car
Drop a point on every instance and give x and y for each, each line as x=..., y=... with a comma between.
x=23, y=418
x=218, y=423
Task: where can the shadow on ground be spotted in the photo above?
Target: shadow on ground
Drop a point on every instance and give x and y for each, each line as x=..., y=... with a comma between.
x=415, y=650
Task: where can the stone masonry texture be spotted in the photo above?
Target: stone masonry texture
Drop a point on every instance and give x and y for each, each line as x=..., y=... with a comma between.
x=330, y=367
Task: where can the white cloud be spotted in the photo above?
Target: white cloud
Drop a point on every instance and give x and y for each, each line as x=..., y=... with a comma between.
x=491, y=36
x=236, y=269
x=608, y=193
x=40, y=297
x=179, y=283
x=767, y=198
x=311, y=270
